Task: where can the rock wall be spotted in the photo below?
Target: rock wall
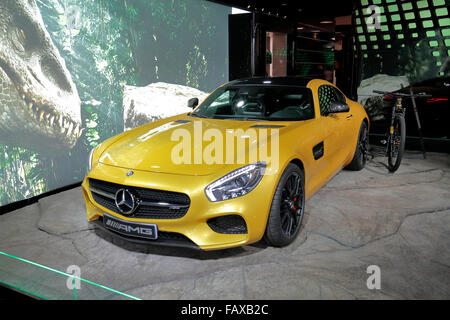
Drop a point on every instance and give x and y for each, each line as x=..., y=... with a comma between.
x=156, y=101
x=373, y=102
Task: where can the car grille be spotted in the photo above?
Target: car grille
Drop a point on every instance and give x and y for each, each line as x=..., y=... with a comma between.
x=154, y=204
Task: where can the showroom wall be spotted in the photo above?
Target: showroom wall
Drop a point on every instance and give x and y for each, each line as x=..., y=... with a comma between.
x=67, y=66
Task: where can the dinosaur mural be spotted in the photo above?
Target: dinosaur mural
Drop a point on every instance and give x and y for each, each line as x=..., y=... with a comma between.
x=39, y=103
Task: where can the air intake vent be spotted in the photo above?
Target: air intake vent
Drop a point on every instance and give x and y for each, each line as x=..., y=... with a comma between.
x=231, y=224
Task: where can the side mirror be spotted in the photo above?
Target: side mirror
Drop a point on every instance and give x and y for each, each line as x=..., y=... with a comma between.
x=192, y=103
x=339, y=107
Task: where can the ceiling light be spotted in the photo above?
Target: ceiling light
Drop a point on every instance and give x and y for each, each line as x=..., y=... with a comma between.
x=326, y=21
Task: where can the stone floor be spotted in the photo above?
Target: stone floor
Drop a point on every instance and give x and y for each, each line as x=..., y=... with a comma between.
x=399, y=222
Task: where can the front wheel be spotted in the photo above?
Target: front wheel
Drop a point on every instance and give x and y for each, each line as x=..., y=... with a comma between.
x=396, y=143
x=288, y=207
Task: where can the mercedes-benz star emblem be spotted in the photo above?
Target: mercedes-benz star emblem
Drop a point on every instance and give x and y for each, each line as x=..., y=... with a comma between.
x=125, y=201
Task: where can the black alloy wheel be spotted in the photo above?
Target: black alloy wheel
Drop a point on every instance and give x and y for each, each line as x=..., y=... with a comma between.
x=287, y=209
x=291, y=206
x=362, y=150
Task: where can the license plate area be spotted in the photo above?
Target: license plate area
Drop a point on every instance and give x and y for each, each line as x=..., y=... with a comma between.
x=132, y=229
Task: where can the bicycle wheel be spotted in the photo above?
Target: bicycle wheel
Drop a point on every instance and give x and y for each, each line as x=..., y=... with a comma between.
x=396, y=144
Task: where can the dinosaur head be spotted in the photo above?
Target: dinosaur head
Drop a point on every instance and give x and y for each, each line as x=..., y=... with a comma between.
x=39, y=103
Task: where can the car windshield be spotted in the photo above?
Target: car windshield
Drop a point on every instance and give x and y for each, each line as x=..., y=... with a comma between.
x=258, y=102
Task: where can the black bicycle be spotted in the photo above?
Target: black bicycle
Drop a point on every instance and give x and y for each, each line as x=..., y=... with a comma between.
x=396, y=135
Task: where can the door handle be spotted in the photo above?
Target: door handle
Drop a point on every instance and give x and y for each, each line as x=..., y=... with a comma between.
x=348, y=117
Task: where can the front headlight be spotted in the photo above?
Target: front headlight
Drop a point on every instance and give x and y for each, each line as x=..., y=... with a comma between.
x=236, y=183
x=90, y=159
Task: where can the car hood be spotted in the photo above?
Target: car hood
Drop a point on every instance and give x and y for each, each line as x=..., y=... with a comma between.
x=153, y=147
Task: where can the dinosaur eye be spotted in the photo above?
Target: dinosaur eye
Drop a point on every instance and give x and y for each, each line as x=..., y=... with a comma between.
x=18, y=39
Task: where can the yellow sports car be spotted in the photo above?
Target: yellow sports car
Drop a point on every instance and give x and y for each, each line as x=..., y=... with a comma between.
x=236, y=169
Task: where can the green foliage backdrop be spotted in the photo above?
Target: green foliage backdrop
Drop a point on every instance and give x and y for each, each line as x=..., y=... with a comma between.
x=107, y=44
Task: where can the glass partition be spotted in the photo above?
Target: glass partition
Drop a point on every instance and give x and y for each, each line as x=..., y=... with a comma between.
x=47, y=283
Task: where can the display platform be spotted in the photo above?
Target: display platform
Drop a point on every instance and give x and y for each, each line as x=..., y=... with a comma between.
x=399, y=222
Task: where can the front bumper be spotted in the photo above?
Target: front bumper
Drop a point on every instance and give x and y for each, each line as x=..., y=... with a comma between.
x=253, y=207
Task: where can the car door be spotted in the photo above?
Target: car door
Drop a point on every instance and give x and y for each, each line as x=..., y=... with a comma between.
x=347, y=125
x=335, y=131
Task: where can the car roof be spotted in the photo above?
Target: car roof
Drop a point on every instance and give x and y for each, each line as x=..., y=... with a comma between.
x=278, y=81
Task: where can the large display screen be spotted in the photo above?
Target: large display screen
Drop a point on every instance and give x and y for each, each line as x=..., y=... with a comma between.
x=75, y=72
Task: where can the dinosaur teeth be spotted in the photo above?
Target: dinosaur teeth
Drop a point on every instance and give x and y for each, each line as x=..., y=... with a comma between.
x=66, y=126
x=76, y=130
x=69, y=130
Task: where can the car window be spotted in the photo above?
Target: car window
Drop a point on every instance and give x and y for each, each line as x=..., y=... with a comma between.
x=340, y=96
x=224, y=99
x=277, y=103
x=328, y=95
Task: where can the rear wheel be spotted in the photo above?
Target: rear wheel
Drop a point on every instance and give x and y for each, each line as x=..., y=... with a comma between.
x=396, y=144
x=288, y=206
x=362, y=149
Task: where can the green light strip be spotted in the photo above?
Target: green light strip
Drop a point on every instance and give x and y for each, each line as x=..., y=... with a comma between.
x=74, y=289
x=69, y=275
x=10, y=286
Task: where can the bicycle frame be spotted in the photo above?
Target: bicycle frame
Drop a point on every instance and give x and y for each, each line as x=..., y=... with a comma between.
x=398, y=114
x=399, y=110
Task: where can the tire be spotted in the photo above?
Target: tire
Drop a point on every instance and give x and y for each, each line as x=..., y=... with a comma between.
x=362, y=148
x=287, y=209
x=395, y=155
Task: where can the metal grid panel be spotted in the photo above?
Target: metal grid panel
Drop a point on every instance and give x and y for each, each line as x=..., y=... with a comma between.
x=403, y=23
